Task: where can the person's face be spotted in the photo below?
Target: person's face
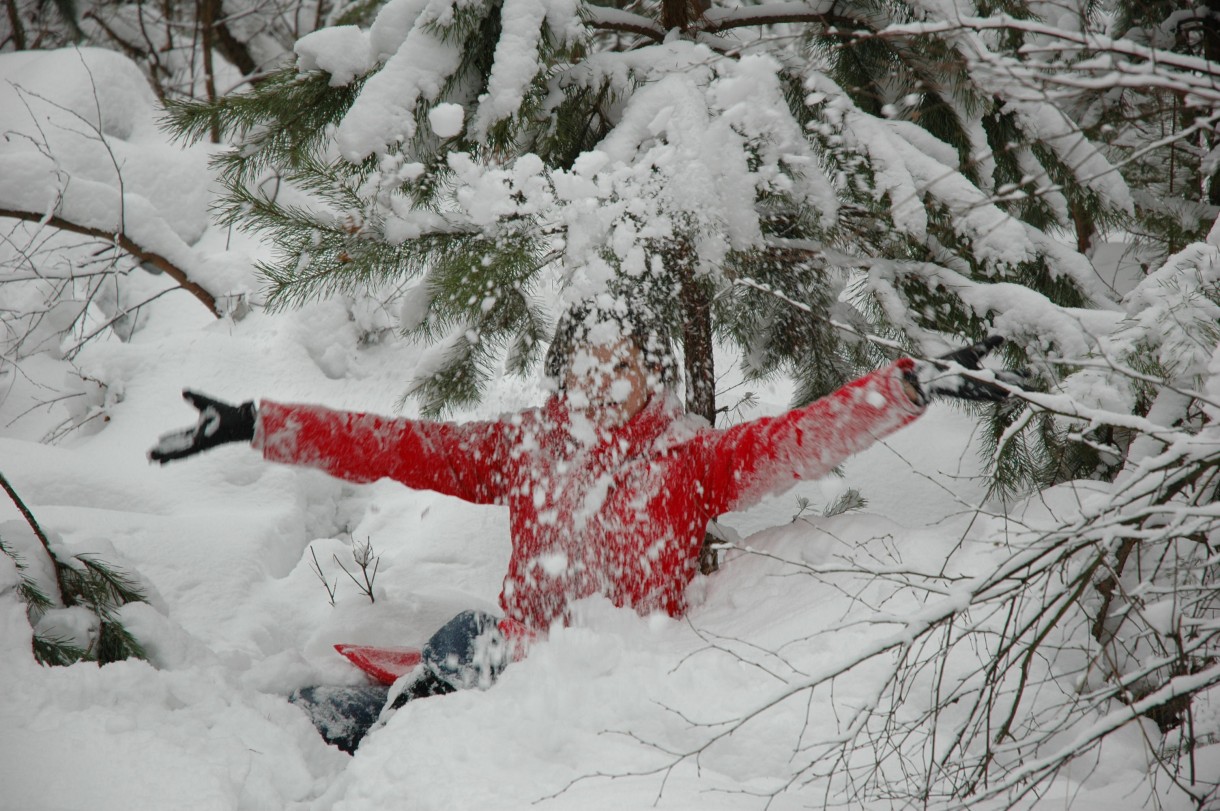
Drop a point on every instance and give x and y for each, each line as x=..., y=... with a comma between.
x=608, y=383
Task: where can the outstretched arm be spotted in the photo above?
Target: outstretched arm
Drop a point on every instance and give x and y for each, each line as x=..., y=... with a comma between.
x=463, y=460
x=755, y=459
x=466, y=461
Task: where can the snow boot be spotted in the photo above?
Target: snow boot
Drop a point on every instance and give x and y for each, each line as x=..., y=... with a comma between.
x=342, y=715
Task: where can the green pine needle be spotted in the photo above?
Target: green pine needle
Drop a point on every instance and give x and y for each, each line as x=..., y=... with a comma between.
x=115, y=643
x=52, y=651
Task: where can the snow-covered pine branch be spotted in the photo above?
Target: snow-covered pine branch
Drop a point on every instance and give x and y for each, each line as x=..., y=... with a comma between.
x=614, y=19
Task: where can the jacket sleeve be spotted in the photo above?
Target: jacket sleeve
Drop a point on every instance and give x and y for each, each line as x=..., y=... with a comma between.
x=466, y=460
x=747, y=462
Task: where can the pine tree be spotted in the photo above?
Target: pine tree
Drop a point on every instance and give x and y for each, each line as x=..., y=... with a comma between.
x=83, y=581
x=753, y=175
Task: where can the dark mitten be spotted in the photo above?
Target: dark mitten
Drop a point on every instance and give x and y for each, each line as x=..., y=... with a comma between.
x=218, y=423
x=937, y=377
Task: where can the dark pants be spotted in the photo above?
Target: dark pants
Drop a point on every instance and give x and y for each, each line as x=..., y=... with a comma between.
x=468, y=651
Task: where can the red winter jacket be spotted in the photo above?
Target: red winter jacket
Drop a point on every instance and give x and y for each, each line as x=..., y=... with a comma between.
x=624, y=516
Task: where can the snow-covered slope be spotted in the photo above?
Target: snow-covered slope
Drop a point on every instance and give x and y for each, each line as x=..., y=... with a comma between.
x=239, y=618
x=225, y=545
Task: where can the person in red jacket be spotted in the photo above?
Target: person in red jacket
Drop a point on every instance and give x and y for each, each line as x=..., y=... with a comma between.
x=609, y=486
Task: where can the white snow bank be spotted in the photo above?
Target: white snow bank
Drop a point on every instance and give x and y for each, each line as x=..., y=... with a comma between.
x=88, y=114
x=82, y=143
x=228, y=541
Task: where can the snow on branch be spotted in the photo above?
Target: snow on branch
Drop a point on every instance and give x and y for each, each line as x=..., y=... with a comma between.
x=718, y=20
x=1039, y=769
x=825, y=13
x=515, y=63
x=1190, y=76
x=613, y=19
x=127, y=244
x=91, y=165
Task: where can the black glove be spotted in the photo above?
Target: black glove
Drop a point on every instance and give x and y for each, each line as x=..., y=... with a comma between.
x=218, y=423
x=935, y=377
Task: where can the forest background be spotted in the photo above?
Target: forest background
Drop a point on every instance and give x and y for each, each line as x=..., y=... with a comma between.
x=385, y=207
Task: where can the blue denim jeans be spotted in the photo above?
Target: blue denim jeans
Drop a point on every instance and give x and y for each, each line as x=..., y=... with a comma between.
x=468, y=651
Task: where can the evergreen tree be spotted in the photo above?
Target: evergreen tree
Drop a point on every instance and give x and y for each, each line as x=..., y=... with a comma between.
x=83, y=581
x=752, y=174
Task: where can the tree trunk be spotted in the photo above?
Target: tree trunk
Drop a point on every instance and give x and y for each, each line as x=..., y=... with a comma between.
x=1086, y=230
x=700, y=366
x=14, y=22
x=700, y=376
x=207, y=24
x=229, y=46
x=1210, y=27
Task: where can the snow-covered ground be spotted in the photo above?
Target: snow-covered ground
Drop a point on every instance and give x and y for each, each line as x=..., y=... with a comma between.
x=224, y=543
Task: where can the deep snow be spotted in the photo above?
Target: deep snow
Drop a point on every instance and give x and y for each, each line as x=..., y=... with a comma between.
x=238, y=619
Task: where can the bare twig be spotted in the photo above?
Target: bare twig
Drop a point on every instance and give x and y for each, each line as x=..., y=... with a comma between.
x=362, y=554
x=317, y=569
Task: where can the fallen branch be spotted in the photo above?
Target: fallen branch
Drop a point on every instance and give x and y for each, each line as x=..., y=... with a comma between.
x=127, y=244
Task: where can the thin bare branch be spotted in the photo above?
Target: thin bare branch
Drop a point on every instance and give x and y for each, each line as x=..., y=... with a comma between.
x=127, y=244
